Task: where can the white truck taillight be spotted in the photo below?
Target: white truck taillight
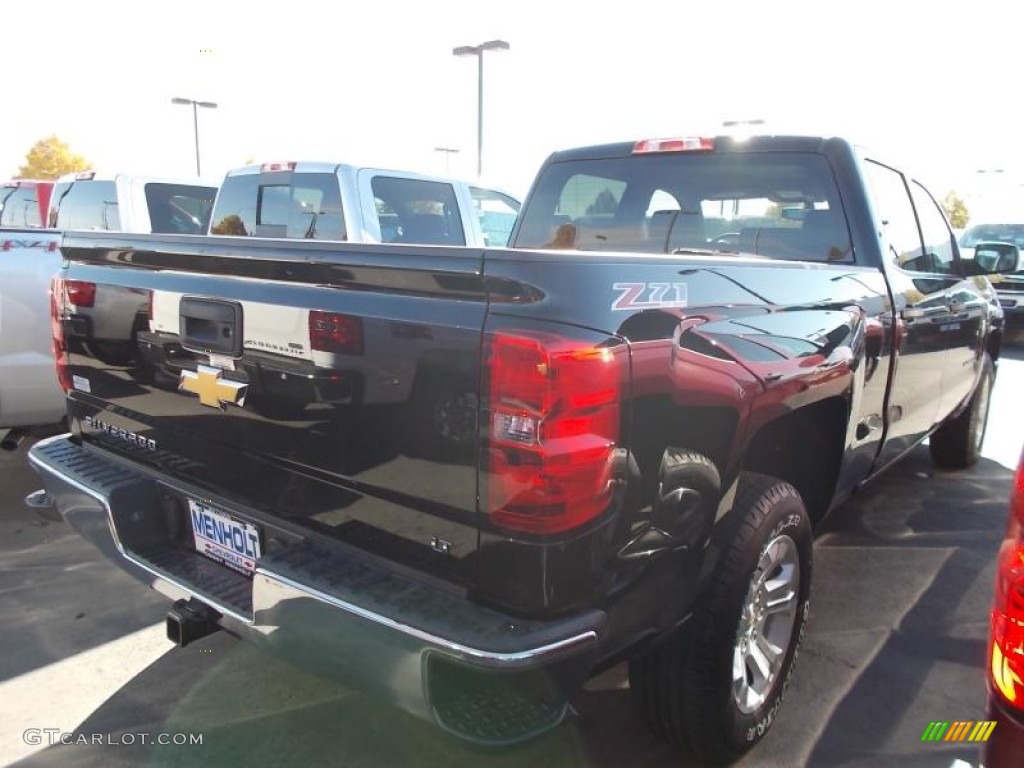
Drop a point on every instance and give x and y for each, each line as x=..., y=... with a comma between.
x=80, y=293
x=60, y=350
x=277, y=166
x=554, y=407
x=1006, y=653
x=335, y=332
x=684, y=144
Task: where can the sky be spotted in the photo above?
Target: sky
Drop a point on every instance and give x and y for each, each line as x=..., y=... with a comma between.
x=377, y=84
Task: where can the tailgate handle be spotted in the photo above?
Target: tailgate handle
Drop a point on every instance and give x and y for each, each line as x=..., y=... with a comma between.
x=211, y=326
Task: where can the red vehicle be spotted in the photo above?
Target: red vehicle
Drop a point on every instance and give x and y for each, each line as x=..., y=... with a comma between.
x=1005, y=749
x=23, y=203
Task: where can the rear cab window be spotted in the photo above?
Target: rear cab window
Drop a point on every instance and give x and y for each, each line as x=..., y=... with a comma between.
x=417, y=211
x=294, y=205
x=182, y=209
x=782, y=205
x=85, y=204
x=19, y=206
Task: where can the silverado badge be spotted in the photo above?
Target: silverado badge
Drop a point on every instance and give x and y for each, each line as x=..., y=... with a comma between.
x=211, y=388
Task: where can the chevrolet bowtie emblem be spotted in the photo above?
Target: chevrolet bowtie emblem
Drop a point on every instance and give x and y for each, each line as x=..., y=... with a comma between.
x=211, y=388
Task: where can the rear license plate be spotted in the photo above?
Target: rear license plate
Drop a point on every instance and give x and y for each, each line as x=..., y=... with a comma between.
x=222, y=538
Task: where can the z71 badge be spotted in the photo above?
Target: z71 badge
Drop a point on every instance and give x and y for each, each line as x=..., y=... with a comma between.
x=649, y=295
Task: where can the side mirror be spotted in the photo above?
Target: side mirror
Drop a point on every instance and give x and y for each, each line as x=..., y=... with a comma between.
x=997, y=258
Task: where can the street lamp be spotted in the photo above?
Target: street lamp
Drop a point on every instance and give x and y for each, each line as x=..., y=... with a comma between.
x=195, y=120
x=478, y=51
x=448, y=152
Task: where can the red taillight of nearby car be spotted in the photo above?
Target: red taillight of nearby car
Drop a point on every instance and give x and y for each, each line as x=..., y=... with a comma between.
x=60, y=349
x=80, y=293
x=553, y=430
x=1006, y=652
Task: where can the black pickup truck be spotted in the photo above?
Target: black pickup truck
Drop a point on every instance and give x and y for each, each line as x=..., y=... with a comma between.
x=468, y=479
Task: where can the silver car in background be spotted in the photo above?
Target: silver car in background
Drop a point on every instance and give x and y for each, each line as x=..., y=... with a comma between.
x=1009, y=287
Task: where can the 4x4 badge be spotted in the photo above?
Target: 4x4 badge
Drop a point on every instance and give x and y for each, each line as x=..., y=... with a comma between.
x=213, y=390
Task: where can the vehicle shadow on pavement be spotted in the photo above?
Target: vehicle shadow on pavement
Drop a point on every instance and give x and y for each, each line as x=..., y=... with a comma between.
x=896, y=639
x=55, y=590
x=253, y=710
x=908, y=612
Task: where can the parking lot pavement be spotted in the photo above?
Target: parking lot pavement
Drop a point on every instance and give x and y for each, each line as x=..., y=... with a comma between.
x=896, y=639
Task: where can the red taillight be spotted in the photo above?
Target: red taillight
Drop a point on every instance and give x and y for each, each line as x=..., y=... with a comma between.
x=552, y=432
x=80, y=293
x=1006, y=655
x=271, y=167
x=685, y=144
x=334, y=332
x=60, y=350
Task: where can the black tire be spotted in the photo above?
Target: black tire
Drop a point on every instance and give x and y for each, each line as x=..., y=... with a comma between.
x=957, y=443
x=685, y=686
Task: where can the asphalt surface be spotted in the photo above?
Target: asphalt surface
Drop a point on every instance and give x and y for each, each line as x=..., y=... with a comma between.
x=896, y=639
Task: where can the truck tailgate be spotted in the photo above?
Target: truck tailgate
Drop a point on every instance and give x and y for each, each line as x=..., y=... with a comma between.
x=329, y=392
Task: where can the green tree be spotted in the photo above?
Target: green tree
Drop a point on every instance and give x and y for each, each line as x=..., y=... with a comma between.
x=956, y=209
x=49, y=158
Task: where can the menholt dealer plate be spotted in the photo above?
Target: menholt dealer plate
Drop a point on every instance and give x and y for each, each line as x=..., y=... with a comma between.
x=232, y=542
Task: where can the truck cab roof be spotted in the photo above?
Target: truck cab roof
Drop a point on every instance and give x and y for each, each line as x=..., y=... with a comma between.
x=759, y=143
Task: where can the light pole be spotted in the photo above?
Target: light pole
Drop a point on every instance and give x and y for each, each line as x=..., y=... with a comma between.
x=448, y=152
x=195, y=120
x=478, y=51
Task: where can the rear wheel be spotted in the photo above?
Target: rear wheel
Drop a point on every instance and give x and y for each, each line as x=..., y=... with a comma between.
x=957, y=443
x=715, y=686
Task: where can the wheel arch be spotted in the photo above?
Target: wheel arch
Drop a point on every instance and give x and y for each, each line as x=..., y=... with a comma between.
x=805, y=448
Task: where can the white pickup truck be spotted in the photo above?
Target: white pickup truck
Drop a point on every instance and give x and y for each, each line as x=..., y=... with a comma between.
x=29, y=257
x=336, y=201
x=332, y=202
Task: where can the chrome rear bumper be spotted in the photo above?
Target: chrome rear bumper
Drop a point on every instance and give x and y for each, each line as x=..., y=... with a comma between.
x=477, y=673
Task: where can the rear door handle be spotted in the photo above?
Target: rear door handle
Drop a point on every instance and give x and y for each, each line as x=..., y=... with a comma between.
x=210, y=325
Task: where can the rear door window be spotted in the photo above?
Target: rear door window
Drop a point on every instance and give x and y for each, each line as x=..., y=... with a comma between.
x=182, y=209
x=417, y=211
x=85, y=204
x=497, y=214
x=305, y=206
x=936, y=234
x=896, y=212
x=19, y=207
